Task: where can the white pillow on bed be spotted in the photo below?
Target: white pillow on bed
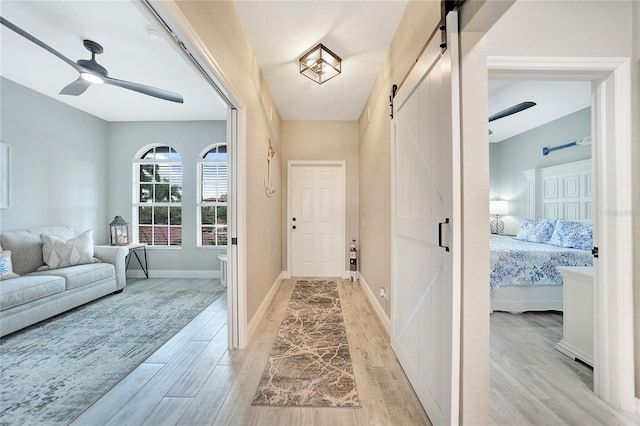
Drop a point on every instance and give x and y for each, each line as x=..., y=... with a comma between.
x=536, y=231
x=573, y=234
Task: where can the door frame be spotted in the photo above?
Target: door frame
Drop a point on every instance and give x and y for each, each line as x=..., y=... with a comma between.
x=611, y=127
x=184, y=38
x=343, y=216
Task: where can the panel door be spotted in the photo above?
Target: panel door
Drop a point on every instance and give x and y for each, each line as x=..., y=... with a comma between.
x=317, y=221
x=425, y=230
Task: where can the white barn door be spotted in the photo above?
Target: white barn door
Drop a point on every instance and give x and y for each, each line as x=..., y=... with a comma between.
x=316, y=219
x=425, y=227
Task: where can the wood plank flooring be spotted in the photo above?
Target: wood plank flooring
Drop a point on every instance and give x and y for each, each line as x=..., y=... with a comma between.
x=534, y=384
x=194, y=380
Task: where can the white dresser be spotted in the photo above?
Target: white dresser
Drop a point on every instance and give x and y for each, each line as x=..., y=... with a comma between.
x=577, y=339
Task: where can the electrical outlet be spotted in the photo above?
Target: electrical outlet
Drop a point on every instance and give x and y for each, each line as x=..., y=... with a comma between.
x=383, y=292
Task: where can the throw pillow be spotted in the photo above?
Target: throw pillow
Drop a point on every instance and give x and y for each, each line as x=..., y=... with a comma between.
x=543, y=231
x=6, y=268
x=526, y=228
x=536, y=231
x=58, y=253
x=572, y=234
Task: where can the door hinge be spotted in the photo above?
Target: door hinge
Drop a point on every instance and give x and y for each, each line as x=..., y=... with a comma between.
x=595, y=251
x=234, y=241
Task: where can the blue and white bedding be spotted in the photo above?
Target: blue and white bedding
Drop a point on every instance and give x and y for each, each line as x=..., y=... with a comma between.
x=523, y=263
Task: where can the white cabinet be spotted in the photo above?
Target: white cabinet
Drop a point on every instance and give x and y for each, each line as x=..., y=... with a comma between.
x=577, y=339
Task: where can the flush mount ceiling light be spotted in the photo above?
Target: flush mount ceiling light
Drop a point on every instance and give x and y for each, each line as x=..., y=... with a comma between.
x=320, y=64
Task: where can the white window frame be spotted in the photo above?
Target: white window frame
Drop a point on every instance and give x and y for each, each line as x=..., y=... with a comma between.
x=200, y=180
x=136, y=204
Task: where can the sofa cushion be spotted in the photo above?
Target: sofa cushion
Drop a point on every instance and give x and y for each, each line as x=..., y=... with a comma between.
x=79, y=275
x=26, y=246
x=6, y=269
x=60, y=253
x=28, y=288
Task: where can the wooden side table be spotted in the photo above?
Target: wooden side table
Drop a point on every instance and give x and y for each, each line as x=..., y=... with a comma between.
x=133, y=249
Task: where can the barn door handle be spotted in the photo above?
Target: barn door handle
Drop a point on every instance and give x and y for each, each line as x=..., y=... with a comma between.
x=440, y=234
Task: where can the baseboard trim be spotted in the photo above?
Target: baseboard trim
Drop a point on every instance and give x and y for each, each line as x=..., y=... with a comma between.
x=156, y=273
x=257, y=317
x=638, y=406
x=384, y=318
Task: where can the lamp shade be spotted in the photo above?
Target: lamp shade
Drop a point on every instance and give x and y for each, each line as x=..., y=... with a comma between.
x=499, y=207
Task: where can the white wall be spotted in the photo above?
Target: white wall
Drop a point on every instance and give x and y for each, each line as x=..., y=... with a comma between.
x=59, y=167
x=189, y=138
x=511, y=157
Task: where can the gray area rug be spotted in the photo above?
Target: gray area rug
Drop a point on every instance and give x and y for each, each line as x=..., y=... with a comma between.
x=54, y=370
x=309, y=363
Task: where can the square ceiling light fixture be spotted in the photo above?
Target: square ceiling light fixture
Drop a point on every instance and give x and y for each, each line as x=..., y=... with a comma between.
x=320, y=64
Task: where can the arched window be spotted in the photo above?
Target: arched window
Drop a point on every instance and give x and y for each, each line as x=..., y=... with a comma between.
x=213, y=188
x=157, y=197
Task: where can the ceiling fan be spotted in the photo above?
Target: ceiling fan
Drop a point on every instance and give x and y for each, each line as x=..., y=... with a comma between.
x=510, y=111
x=91, y=72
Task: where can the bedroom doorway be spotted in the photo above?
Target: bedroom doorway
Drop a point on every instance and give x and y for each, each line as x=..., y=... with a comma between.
x=539, y=174
x=612, y=362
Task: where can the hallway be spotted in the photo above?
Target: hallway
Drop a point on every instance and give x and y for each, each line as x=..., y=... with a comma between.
x=193, y=379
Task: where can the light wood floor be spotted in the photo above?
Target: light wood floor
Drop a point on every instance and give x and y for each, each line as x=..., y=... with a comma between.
x=193, y=379
x=533, y=384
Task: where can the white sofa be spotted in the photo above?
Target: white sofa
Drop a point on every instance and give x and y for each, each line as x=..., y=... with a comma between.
x=40, y=294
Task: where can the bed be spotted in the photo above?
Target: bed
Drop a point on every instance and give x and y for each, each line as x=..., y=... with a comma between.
x=524, y=275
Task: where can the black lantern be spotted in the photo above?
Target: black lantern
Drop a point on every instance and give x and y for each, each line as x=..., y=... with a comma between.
x=119, y=232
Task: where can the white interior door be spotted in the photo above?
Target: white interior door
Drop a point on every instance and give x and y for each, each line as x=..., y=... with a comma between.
x=316, y=219
x=425, y=227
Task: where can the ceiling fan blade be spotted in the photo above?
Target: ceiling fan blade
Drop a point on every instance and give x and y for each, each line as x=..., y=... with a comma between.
x=34, y=40
x=512, y=110
x=147, y=90
x=75, y=88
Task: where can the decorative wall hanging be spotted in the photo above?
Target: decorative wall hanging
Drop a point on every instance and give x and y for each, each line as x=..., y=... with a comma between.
x=269, y=186
x=583, y=141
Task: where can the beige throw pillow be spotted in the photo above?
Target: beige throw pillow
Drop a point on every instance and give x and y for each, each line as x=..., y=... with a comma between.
x=58, y=253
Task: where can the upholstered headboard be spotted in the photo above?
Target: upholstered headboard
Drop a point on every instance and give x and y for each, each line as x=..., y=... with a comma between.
x=562, y=191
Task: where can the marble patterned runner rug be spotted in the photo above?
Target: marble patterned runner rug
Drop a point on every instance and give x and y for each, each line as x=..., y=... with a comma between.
x=309, y=363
